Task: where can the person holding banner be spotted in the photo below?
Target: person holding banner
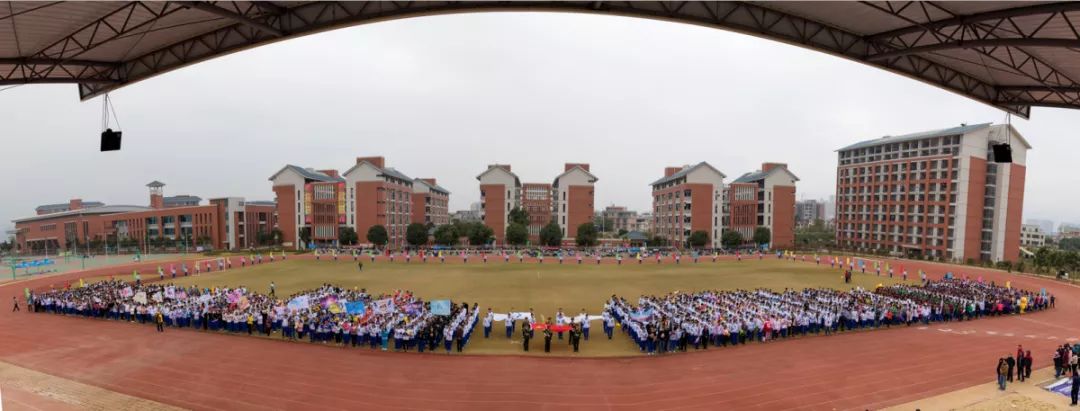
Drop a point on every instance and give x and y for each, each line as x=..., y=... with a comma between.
x=584, y=324
x=510, y=323
x=487, y=323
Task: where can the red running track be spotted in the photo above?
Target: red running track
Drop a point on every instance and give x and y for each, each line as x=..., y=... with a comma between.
x=859, y=370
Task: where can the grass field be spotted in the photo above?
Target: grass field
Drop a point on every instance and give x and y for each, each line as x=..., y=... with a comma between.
x=544, y=288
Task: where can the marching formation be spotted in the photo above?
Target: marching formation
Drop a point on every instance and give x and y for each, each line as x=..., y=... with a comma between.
x=327, y=315
x=676, y=321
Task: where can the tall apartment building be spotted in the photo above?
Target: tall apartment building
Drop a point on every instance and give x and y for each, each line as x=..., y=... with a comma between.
x=621, y=218
x=536, y=200
x=573, y=192
x=378, y=195
x=763, y=198
x=936, y=193
x=309, y=201
x=500, y=192
x=687, y=199
x=430, y=202
x=808, y=211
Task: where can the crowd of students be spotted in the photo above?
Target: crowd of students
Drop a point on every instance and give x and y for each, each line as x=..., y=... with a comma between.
x=321, y=315
x=676, y=321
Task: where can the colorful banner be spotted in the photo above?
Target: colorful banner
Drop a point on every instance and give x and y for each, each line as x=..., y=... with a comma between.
x=299, y=303
x=440, y=307
x=554, y=327
x=170, y=292
x=140, y=297
x=157, y=297
x=126, y=292
x=355, y=307
x=383, y=306
x=233, y=296
x=337, y=307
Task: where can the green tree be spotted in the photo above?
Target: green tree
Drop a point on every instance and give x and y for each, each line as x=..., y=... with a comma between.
x=416, y=234
x=1069, y=244
x=447, y=235
x=480, y=234
x=519, y=216
x=347, y=235
x=551, y=235
x=622, y=232
x=517, y=234
x=377, y=235
x=586, y=235
x=762, y=236
x=731, y=239
x=276, y=236
x=698, y=238
x=658, y=241
x=305, y=236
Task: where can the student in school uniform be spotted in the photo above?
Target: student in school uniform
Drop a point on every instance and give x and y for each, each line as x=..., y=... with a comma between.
x=487, y=323
x=609, y=324
x=560, y=319
x=510, y=323
x=584, y=324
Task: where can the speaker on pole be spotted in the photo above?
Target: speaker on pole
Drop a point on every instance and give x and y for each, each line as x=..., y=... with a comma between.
x=110, y=140
x=1002, y=153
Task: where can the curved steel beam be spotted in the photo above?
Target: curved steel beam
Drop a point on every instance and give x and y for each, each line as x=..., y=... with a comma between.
x=978, y=17
x=741, y=17
x=970, y=44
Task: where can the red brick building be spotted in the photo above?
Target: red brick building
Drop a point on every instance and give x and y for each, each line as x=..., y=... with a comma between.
x=573, y=192
x=216, y=225
x=309, y=203
x=430, y=202
x=688, y=199
x=936, y=194
x=500, y=192
x=764, y=198
x=379, y=195
x=536, y=200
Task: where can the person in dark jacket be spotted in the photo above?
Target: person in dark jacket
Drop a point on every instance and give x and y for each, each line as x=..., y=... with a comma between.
x=1002, y=371
x=1027, y=364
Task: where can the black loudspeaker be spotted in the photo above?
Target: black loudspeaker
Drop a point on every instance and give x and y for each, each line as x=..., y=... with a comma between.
x=110, y=140
x=1002, y=153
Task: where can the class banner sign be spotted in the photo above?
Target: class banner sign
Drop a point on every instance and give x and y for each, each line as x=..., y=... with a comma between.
x=355, y=308
x=383, y=306
x=440, y=307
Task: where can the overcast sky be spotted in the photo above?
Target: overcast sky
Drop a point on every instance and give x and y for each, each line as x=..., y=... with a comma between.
x=444, y=96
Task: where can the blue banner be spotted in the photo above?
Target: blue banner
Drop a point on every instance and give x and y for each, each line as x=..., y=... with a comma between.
x=355, y=307
x=440, y=307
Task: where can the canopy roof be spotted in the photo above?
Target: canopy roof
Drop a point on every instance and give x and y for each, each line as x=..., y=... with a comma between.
x=1011, y=55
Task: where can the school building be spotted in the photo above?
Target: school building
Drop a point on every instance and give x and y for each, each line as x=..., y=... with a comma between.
x=568, y=200
x=177, y=221
x=316, y=204
x=937, y=194
x=694, y=198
